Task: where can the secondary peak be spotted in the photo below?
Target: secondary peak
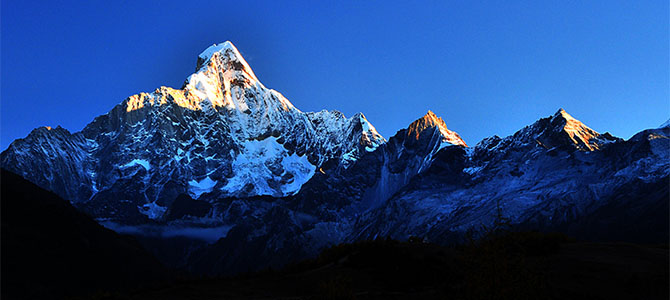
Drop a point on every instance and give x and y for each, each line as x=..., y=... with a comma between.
x=430, y=120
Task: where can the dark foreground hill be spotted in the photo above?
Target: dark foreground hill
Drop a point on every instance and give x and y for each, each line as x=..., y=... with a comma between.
x=50, y=250
x=508, y=266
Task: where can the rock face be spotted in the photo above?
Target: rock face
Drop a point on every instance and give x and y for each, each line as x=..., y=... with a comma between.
x=226, y=152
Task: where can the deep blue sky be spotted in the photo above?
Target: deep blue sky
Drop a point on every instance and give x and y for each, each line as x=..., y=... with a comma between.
x=486, y=68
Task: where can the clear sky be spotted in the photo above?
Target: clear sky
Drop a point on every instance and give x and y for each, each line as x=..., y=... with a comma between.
x=487, y=67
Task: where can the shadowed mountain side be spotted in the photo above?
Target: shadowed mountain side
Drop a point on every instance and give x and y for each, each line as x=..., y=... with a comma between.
x=522, y=265
x=51, y=250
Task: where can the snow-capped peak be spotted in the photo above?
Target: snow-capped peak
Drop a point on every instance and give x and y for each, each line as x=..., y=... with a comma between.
x=233, y=136
x=561, y=113
x=666, y=124
x=430, y=120
x=578, y=133
x=223, y=80
x=221, y=47
x=562, y=129
x=228, y=52
x=370, y=136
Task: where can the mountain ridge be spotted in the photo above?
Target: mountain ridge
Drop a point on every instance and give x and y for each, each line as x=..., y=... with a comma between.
x=226, y=154
x=222, y=97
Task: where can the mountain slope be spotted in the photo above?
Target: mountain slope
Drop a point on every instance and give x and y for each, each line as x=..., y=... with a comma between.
x=270, y=232
x=51, y=250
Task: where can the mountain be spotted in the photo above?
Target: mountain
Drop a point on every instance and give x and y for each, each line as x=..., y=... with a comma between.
x=556, y=174
x=51, y=251
x=257, y=182
x=271, y=232
x=223, y=134
x=425, y=187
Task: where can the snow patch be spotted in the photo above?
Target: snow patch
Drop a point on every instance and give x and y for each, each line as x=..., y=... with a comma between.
x=370, y=135
x=351, y=155
x=302, y=171
x=471, y=170
x=152, y=210
x=258, y=165
x=197, y=188
x=142, y=162
x=445, y=144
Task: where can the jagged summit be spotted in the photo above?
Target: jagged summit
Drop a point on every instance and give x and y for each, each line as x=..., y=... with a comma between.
x=221, y=47
x=563, y=115
x=560, y=130
x=562, y=112
x=222, y=82
x=579, y=134
x=563, y=130
x=369, y=133
x=568, y=122
x=430, y=120
x=227, y=53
